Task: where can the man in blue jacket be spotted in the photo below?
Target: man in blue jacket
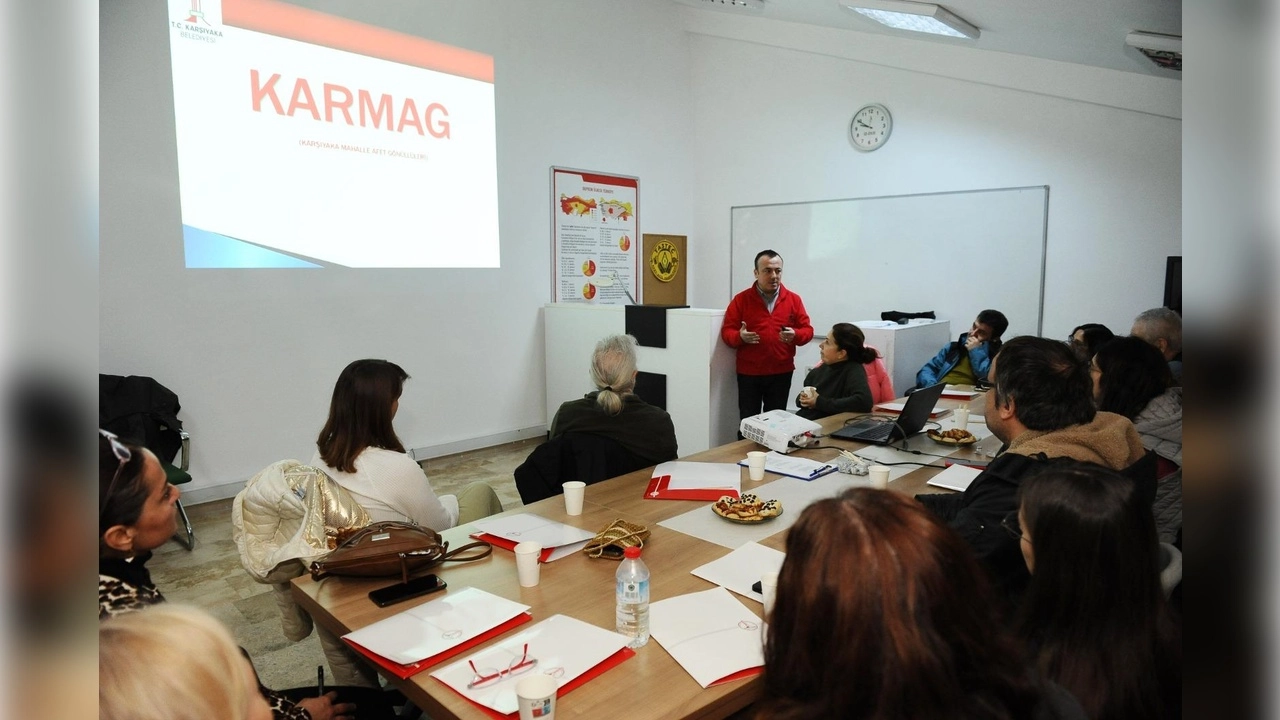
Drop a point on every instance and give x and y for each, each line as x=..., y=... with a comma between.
x=966, y=361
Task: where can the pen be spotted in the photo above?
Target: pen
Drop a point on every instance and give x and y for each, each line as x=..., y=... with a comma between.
x=320, y=679
x=820, y=470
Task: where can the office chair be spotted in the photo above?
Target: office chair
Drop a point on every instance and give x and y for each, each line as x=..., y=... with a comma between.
x=141, y=410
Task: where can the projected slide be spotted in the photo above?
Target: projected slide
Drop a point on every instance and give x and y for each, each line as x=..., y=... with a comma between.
x=306, y=140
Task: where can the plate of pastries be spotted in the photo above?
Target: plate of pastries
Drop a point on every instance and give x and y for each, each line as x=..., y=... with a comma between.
x=747, y=509
x=954, y=436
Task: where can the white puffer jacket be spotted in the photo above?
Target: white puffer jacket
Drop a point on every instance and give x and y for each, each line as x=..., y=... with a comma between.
x=286, y=516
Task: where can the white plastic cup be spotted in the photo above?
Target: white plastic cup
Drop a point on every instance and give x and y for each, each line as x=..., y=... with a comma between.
x=755, y=465
x=769, y=589
x=960, y=416
x=809, y=391
x=527, y=563
x=879, y=477
x=536, y=697
x=574, y=492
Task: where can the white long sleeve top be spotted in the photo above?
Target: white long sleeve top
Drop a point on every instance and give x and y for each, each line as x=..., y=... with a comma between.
x=391, y=486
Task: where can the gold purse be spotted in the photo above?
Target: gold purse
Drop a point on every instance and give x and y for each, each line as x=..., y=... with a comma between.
x=611, y=542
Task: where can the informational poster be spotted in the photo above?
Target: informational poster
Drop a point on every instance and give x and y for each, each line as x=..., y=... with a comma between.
x=595, y=237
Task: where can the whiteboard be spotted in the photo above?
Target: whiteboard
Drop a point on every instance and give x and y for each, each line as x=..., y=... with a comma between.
x=953, y=253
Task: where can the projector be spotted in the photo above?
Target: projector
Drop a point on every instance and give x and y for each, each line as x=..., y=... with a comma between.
x=780, y=430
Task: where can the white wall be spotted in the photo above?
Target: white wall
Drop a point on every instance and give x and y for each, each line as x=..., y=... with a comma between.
x=253, y=354
x=772, y=107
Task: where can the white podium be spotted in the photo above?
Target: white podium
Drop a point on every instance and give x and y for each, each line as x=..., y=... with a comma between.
x=906, y=348
x=702, y=387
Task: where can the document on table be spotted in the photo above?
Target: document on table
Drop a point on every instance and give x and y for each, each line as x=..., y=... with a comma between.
x=560, y=646
x=714, y=637
x=740, y=569
x=557, y=539
x=681, y=480
x=955, y=393
x=421, y=633
x=955, y=477
x=791, y=466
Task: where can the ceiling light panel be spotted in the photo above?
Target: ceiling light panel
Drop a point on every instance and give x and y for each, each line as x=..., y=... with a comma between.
x=913, y=17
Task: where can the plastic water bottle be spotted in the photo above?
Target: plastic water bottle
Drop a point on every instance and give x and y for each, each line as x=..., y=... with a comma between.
x=633, y=598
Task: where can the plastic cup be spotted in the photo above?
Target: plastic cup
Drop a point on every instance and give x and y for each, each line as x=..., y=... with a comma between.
x=809, y=391
x=769, y=588
x=574, y=492
x=527, y=563
x=879, y=477
x=755, y=465
x=960, y=416
x=536, y=697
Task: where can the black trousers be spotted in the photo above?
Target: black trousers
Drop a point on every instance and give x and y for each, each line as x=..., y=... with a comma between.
x=761, y=393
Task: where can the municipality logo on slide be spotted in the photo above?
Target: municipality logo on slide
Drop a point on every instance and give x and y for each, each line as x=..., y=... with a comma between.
x=196, y=19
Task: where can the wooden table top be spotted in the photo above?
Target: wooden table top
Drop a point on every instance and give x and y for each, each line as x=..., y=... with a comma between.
x=581, y=587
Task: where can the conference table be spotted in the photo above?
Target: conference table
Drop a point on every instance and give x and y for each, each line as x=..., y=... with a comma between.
x=651, y=684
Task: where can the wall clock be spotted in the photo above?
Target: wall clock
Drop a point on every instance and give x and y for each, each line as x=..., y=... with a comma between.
x=870, y=127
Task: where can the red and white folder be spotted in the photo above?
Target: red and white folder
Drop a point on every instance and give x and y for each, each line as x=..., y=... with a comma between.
x=568, y=649
x=677, y=480
x=715, y=638
x=418, y=638
x=896, y=409
x=557, y=539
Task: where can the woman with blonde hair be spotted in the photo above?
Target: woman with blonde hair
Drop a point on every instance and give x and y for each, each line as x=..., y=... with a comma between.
x=613, y=410
x=174, y=663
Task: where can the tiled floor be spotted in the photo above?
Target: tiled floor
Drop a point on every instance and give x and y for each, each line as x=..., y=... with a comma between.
x=211, y=577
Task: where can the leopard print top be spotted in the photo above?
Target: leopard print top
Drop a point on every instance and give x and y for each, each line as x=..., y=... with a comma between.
x=125, y=586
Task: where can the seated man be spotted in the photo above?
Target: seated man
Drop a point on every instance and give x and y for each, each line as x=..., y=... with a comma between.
x=968, y=360
x=613, y=410
x=1041, y=406
x=1162, y=327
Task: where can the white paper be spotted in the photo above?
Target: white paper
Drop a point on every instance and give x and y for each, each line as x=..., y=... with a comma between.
x=700, y=476
x=956, y=477
x=709, y=633
x=563, y=646
x=535, y=528
x=436, y=626
x=793, y=466
x=742, y=568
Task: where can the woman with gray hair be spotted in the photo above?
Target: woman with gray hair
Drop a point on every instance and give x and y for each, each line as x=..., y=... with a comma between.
x=614, y=411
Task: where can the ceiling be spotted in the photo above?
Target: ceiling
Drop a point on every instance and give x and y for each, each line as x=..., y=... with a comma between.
x=1085, y=32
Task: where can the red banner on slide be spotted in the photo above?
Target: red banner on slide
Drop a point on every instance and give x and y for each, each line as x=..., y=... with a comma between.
x=295, y=23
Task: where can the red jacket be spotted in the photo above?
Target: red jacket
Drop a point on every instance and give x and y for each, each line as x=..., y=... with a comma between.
x=770, y=356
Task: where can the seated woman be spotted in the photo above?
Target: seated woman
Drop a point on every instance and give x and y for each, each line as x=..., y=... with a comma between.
x=878, y=379
x=841, y=379
x=882, y=612
x=174, y=663
x=613, y=410
x=136, y=515
x=1087, y=338
x=1131, y=378
x=359, y=449
x=1094, y=616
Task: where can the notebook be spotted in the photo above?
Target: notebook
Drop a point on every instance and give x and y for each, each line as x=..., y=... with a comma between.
x=910, y=421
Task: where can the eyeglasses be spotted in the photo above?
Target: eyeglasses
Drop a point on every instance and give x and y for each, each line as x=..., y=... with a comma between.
x=1013, y=527
x=123, y=456
x=488, y=677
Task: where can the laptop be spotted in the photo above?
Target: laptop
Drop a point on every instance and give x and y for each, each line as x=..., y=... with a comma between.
x=911, y=420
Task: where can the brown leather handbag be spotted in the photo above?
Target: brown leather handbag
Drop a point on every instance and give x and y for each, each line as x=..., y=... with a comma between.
x=387, y=549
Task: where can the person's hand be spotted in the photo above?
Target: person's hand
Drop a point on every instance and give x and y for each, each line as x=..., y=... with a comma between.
x=324, y=707
x=787, y=335
x=972, y=343
x=807, y=400
x=747, y=336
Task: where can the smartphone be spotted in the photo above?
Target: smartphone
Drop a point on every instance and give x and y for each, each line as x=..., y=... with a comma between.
x=392, y=594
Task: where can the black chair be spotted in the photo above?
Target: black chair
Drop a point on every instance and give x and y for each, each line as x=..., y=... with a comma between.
x=573, y=456
x=141, y=410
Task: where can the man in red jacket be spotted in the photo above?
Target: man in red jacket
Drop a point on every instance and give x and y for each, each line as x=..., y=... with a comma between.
x=765, y=323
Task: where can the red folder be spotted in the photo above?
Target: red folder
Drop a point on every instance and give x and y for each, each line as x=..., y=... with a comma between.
x=934, y=414
x=658, y=490
x=406, y=671
x=506, y=544
x=740, y=675
x=604, y=665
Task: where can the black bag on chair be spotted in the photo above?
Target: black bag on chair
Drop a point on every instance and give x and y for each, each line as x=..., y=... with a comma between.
x=141, y=410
